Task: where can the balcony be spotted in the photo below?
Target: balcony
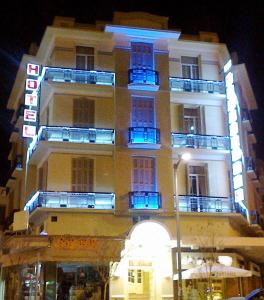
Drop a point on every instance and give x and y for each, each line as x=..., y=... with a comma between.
x=57, y=134
x=144, y=200
x=197, y=85
x=246, y=119
x=250, y=167
x=70, y=200
x=79, y=76
x=143, y=79
x=196, y=141
x=144, y=137
x=205, y=204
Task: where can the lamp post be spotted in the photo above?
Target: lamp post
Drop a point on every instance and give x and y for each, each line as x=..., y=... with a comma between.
x=185, y=157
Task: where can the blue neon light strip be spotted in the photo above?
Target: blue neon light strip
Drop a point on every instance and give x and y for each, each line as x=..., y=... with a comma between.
x=79, y=76
x=144, y=200
x=72, y=135
x=71, y=200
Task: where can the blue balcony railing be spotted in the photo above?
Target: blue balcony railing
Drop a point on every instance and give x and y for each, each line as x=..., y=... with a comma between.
x=143, y=77
x=197, y=85
x=144, y=200
x=79, y=76
x=144, y=135
x=71, y=200
x=72, y=135
x=208, y=204
x=196, y=141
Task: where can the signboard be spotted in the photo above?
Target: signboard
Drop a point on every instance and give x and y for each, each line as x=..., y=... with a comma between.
x=236, y=149
x=31, y=100
x=29, y=131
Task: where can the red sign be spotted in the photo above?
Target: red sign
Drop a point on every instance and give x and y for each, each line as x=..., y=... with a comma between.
x=31, y=85
x=31, y=100
x=30, y=115
x=33, y=70
x=29, y=131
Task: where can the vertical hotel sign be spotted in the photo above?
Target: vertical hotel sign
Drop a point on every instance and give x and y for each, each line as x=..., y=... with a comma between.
x=31, y=100
x=233, y=122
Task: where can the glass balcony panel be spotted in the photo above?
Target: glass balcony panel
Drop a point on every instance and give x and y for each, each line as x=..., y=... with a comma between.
x=79, y=76
x=180, y=140
x=73, y=135
x=189, y=203
x=143, y=76
x=144, y=200
x=197, y=85
x=144, y=135
x=71, y=200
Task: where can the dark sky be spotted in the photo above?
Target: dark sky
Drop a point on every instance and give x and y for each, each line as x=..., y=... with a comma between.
x=240, y=26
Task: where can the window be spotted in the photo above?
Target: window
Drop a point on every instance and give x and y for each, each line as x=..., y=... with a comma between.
x=136, y=282
x=54, y=218
x=82, y=174
x=83, y=112
x=84, y=58
x=197, y=180
x=142, y=56
x=143, y=112
x=144, y=177
x=192, y=120
x=190, y=67
x=42, y=178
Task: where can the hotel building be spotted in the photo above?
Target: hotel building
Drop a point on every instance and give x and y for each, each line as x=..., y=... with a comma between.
x=103, y=116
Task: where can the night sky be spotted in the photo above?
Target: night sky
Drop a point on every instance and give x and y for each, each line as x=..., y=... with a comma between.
x=240, y=26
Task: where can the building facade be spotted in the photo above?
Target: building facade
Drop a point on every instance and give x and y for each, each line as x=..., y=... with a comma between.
x=103, y=116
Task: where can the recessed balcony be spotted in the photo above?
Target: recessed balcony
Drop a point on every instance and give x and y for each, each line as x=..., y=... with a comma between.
x=144, y=200
x=197, y=85
x=205, y=204
x=57, y=136
x=79, y=76
x=144, y=137
x=250, y=167
x=143, y=79
x=70, y=200
x=196, y=141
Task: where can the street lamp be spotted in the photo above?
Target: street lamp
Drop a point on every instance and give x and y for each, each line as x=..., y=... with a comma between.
x=183, y=157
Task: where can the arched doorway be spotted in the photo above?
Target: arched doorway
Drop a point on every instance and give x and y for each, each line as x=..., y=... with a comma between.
x=145, y=269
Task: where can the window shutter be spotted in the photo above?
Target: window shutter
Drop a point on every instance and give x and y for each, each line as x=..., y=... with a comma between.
x=83, y=112
x=142, y=55
x=82, y=174
x=144, y=174
x=143, y=112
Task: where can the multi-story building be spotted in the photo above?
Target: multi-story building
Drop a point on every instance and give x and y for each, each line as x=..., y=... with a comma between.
x=103, y=182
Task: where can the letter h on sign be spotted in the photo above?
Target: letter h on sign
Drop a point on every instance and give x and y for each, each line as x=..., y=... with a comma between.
x=33, y=70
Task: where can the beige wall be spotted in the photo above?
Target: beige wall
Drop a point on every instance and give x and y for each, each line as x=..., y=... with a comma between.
x=217, y=178
x=61, y=111
x=59, y=172
x=90, y=224
x=213, y=119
